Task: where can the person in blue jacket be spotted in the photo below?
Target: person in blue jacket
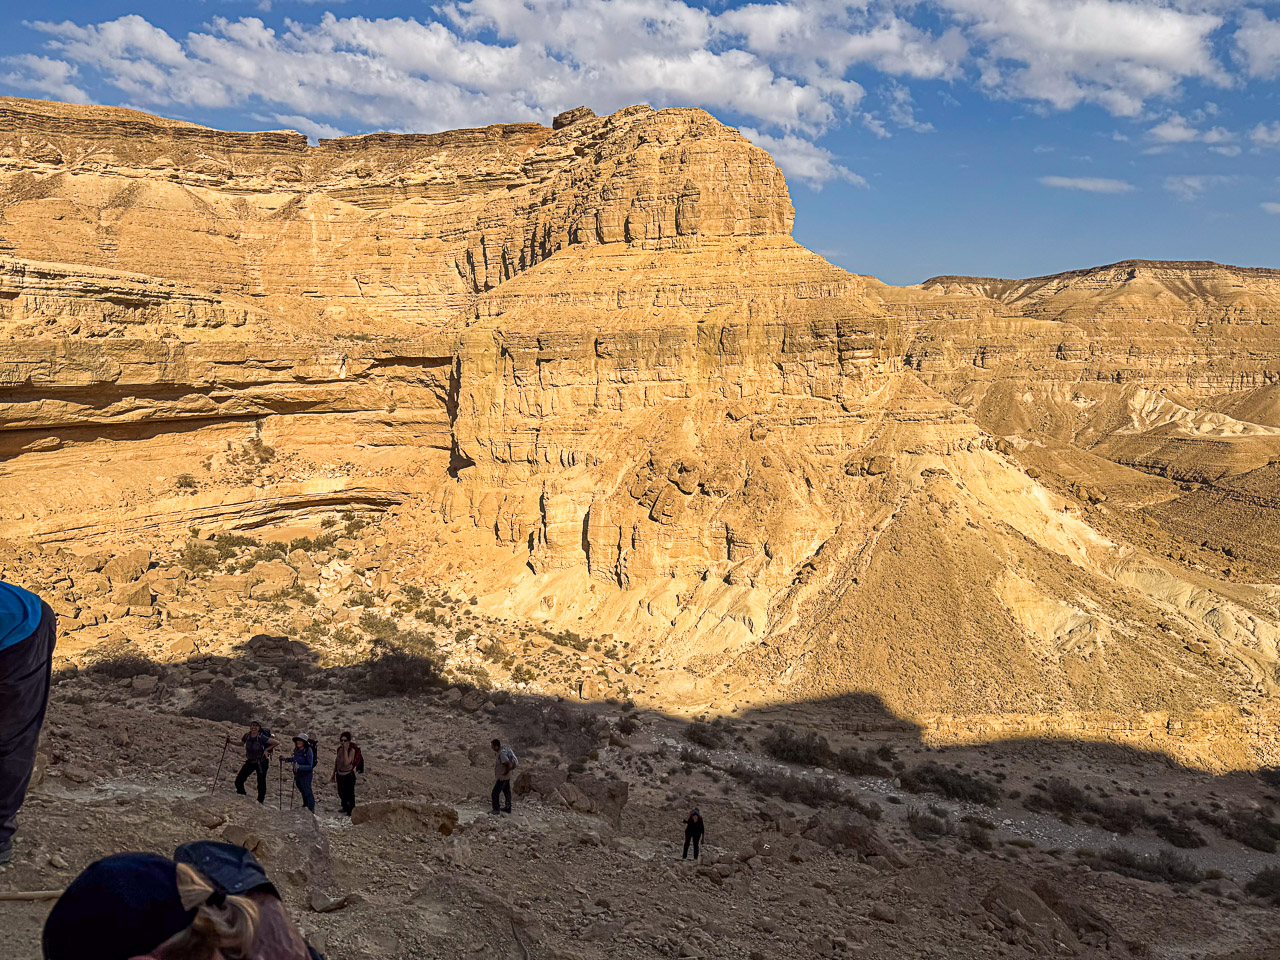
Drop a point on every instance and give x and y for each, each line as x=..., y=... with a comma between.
x=28, y=631
x=304, y=762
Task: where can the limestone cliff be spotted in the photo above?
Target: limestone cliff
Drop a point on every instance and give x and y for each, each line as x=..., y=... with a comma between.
x=597, y=384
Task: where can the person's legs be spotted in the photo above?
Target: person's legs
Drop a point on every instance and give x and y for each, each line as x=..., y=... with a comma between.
x=304, y=788
x=497, y=792
x=687, y=840
x=506, y=793
x=697, y=841
x=243, y=775
x=262, y=766
x=25, y=671
x=347, y=792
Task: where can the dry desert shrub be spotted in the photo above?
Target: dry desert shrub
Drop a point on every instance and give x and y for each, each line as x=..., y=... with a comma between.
x=221, y=704
x=1167, y=865
x=790, y=746
x=1266, y=885
x=396, y=673
x=946, y=782
x=713, y=735
x=124, y=666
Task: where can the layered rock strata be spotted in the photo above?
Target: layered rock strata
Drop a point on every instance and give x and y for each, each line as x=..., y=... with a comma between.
x=605, y=389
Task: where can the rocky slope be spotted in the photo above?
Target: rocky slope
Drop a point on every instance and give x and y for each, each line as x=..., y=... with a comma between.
x=593, y=382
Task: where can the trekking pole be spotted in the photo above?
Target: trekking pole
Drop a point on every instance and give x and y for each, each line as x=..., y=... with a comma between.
x=217, y=775
x=280, y=791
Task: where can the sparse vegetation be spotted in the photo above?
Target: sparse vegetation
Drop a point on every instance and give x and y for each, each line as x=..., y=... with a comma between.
x=221, y=704
x=808, y=748
x=125, y=666
x=713, y=735
x=1265, y=885
x=955, y=784
x=1166, y=866
x=394, y=673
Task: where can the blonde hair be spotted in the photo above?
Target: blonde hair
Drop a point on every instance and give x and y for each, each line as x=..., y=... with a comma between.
x=227, y=924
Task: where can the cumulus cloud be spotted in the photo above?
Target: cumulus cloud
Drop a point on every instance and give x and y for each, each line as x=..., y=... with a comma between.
x=43, y=75
x=1193, y=186
x=1266, y=134
x=1271, y=207
x=785, y=68
x=1088, y=184
x=806, y=161
x=1258, y=44
x=1109, y=52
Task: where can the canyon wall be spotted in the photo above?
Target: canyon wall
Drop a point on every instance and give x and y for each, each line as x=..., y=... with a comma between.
x=592, y=380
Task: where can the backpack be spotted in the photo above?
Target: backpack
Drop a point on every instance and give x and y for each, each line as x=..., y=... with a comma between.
x=512, y=754
x=359, y=761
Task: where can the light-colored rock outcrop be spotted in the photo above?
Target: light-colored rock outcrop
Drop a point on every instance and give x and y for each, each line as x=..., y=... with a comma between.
x=597, y=384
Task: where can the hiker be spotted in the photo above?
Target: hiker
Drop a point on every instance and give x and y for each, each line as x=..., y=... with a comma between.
x=502, y=769
x=258, y=745
x=346, y=765
x=28, y=631
x=304, y=761
x=212, y=900
x=694, y=828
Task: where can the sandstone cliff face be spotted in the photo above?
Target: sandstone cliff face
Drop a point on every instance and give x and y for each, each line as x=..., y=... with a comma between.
x=603, y=388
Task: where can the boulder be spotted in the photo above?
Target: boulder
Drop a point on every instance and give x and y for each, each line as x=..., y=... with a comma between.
x=852, y=831
x=877, y=465
x=128, y=567
x=472, y=701
x=1018, y=906
x=408, y=814
x=133, y=595
x=588, y=794
x=545, y=782
x=271, y=576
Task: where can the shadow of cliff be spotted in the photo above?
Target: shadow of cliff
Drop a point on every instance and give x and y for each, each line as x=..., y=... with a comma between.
x=234, y=689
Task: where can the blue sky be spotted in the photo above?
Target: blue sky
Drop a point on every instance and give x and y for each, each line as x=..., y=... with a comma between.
x=990, y=137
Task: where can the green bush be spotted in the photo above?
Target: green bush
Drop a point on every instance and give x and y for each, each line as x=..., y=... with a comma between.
x=379, y=628
x=199, y=557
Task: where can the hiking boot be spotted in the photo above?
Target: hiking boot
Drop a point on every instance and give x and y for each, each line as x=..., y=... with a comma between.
x=6, y=852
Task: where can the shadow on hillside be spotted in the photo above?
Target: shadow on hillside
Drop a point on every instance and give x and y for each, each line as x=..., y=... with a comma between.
x=226, y=689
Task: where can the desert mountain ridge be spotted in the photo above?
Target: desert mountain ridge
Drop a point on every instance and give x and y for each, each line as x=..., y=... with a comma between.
x=583, y=374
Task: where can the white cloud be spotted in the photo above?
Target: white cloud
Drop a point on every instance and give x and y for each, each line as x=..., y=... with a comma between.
x=1177, y=129
x=901, y=108
x=1193, y=186
x=43, y=75
x=803, y=160
x=783, y=67
x=1174, y=130
x=1114, y=53
x=1258, y=44
x=1266, y=134
x=313, y=129
x=1088, y=184
x=1271, y=207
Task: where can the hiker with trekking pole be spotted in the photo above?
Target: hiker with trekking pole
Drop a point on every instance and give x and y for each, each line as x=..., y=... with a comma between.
x=304, y=762
x=258, y=747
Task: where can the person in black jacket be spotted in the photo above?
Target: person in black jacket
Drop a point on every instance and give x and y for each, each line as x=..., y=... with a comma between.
x=28, y=632
x=694, y=828
x=258, y=745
